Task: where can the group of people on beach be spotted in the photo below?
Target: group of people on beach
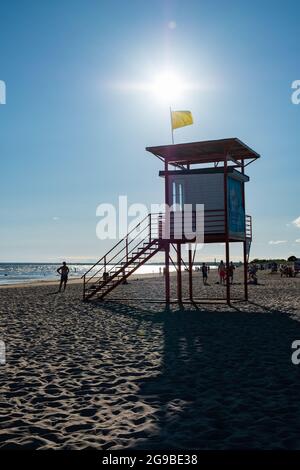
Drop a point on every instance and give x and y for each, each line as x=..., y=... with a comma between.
x=286, y=271
x=223, y=272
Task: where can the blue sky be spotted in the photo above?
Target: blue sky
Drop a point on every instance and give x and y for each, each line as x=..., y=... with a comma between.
x=71, y=139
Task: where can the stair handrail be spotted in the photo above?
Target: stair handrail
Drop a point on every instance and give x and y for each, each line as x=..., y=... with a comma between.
x=125, y=256
x=128, y=253
x=120, y=251
x=120, y=241
x=149, y=225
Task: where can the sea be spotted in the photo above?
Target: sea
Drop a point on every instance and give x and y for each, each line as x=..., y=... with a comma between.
x=19, y=273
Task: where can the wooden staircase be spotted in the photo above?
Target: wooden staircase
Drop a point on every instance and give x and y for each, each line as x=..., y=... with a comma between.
x=130, y=253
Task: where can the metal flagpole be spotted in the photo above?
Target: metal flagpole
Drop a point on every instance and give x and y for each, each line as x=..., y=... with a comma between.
x=172, y=130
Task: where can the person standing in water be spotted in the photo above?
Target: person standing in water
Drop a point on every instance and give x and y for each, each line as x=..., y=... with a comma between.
x=64, y=272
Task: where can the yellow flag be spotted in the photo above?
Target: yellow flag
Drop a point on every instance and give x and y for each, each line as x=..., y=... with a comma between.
x=181, y=119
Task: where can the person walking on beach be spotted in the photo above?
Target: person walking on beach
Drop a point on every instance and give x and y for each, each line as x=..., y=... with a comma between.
x=204, y=270
x=64, y=272
x=231, y=272
x=222, y=272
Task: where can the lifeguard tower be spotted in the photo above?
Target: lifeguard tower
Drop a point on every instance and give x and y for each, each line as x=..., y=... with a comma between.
x=210, y=173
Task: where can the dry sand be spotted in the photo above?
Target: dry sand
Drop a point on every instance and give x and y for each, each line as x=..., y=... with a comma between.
x=113, y=375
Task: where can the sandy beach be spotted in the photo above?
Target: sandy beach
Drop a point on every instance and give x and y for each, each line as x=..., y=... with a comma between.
x=135, y=375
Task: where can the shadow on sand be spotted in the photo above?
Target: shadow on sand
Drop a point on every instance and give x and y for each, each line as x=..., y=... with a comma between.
x=226, y=379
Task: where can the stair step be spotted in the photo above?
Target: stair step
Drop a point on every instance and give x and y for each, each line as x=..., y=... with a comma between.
x=118, y=274
x=144, y=252
x=98, y=288
x=130, y=262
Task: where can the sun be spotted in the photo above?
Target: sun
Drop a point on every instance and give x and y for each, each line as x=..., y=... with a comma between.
x=167, y=87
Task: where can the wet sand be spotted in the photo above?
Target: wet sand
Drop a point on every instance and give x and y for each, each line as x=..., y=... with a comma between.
x=129, y=374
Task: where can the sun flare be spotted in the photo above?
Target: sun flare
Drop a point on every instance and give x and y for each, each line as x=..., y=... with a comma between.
x=167, y=87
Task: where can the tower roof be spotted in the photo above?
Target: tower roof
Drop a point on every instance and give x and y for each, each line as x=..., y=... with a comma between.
x=207, y=151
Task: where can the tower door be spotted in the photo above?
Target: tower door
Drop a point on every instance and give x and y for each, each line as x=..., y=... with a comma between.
x=177, y=195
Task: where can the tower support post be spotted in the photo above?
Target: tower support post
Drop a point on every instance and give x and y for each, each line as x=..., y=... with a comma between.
x=190, y=274
x=245, y=270
x=166, y=233
x=179, y=279
x=245, y=241
x=167, y=271
x=226, y=228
